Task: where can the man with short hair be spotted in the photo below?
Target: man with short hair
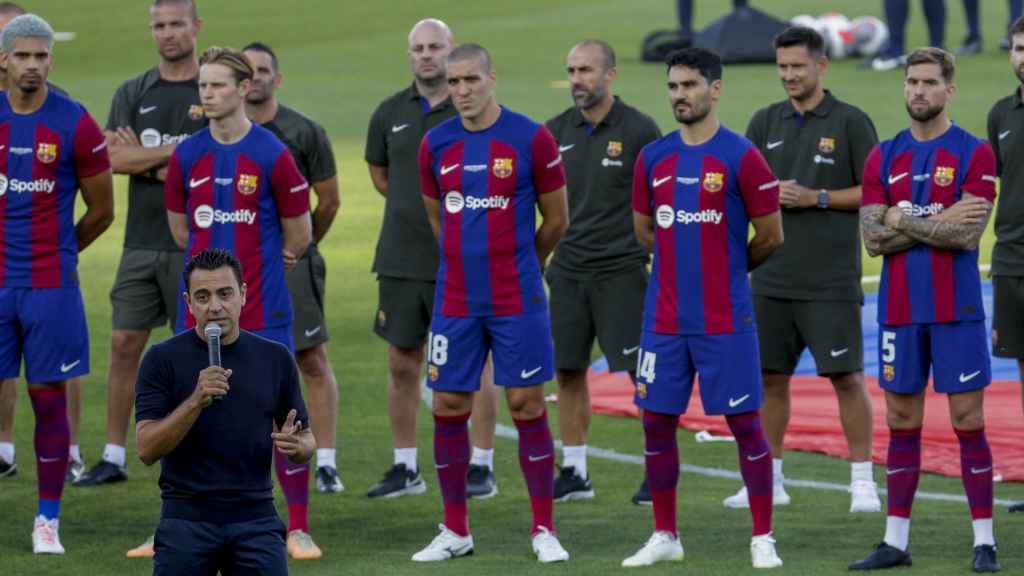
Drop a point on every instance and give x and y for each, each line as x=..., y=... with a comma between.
x=1005, y=127
x=808, y=293
x=212, y=428
x=51, y=147
x=406, y=264
x=598, y=273
x=309, y=145
x=927, y=197
x=484, y=176
x=696, y=192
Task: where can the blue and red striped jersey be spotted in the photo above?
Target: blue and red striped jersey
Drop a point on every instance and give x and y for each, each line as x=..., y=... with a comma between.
x=924, y=285
x=488, y=183
x=235, y=196
x=701, y=199
x=43, y=156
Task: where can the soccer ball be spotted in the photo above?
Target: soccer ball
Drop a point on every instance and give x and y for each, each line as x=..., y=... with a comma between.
x=835, y=29
x=869, y=35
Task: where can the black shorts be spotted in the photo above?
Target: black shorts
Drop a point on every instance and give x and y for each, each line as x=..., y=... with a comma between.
x=831, y=329
x=147, y=289
x=607, y=307
x=190, y=548
x=306, y=284
x=404, y=310
x=1008, y=317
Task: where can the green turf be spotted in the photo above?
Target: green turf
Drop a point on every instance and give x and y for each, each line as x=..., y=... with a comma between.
x=340, y=59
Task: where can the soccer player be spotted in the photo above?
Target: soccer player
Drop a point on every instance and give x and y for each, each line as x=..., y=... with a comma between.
x=51, y=148
x=149, y=115
x=598, y=273
x=897, y=12
x=927, y=196
x=808, y=293
x=308, y=143
x=406, y=265
x=695, y=193
x=235, y=186
x=484, y=175
x=1005, y=128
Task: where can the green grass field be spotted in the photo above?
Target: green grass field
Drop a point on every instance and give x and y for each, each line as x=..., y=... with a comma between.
x=339, y=60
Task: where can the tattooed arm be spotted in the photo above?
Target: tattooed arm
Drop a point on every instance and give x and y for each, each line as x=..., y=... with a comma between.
x=878, y=237
x=957, y=228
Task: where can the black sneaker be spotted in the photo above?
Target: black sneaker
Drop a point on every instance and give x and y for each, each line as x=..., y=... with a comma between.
x=1018, y=507
x=102, y=473
x=327, y=480
x=643, y=495
x=398, y=481
x=985, y=559
x=570, y=486
x=8, y=468
x=884, y=556
x=480, y=482
x=75, y=469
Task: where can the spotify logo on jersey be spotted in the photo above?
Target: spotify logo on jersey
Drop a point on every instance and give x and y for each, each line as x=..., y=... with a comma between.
x=665, y=216
x=204, y=216
x=454, y=202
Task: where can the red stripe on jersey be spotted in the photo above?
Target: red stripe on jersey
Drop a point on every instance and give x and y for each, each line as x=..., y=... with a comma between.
x=980, y=179
x=202, y=195
x=456, y=298
x=5, y=133
x=548, y=170
x=248, y=245
x=45, y=209
x=91, y=156
x=899, y=180
x=758, y=185
x=944, y=188
x=666, y=308
x=501, y=229
x=714, y=245
x=289, y=187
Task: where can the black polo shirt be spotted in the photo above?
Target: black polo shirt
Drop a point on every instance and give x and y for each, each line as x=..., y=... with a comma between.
x=1006, y=134
x=823, y=149
x=407, y=247
x=599, y=177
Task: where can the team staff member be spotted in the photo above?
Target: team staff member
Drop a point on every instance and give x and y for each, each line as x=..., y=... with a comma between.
x=808, y=294
x=598, y=273
x=311, y=149
x=406, y=264
x=1005, y=130
x=212, y=430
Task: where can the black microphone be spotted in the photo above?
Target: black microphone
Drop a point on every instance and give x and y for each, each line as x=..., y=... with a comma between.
x=212, y=332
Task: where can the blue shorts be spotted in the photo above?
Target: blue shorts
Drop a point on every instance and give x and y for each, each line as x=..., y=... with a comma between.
x=956, y=353
x=729, y=367
x=187, y=548
x=48, y=327
x=457, y=348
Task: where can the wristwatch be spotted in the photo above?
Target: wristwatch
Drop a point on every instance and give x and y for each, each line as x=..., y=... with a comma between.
x=822, y=198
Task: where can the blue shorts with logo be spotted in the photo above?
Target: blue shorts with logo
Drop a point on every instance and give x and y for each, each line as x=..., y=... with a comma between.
x=956, y=353
x=47, y=326
x=729, y=367
x=520, y=345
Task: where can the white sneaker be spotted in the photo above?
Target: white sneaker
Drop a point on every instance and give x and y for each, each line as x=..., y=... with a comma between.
x=45, y=537
x=547, y=547
x=740, y=499
x=762, y=552
x=864, y=497
x=662, y=546
x=445, y=546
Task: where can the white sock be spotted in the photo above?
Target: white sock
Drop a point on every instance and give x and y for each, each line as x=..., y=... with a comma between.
x=897, y=532
x=777, y=476
x=326, y=457
x=983, y=532
x=114, y=454
x=861, y=472
x=7, y=452
x=406, y=456
x=576, y=457
x=482, y=457
x=75, y=452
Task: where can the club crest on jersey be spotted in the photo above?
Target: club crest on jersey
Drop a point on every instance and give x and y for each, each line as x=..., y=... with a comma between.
x=641, y=390
x=46, y=152
x=826, y=145
x=502, y=167
x=433, y=372
x=889, y=372
x=195, y=112
x=944, y=175
x=248, y=184
x=614, y=149
x=713, y=181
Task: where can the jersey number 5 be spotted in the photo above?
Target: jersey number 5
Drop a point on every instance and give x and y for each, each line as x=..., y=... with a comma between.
x=645, y=365
x=888, y=346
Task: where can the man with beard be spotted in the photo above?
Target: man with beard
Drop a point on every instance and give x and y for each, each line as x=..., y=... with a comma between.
x=927, y=197
x=808, y=293
x=696, y=192
x=598, y=273
x=1005, y=127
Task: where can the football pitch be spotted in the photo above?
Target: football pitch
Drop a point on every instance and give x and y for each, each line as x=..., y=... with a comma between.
x=339, y=59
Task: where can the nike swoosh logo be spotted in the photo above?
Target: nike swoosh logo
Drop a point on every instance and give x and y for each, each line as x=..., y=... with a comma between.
x=539, y=458
x=447, y=169
x=293, y=471
x=453, y=552
x=64, y=368
x=980, y=470
x=299, y=188
x=528, y=373
x=969, y=377
x=146, y=109
x=773, y=145
x=441, y=466
x=564, y=148
x=838, y=353
x=195, y=183
x=49, y=460
x=758, y=457
x=554, y=162
x=399, y=128
x=896, y=471
x=1004, y=134
x=628, y=351
x=649, y=453
x=659, y=181
x=898, y=177
x=311, y=333
x=734, y=402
